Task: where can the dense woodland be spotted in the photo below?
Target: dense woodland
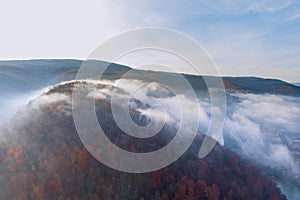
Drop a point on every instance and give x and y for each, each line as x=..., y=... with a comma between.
x=43, y=158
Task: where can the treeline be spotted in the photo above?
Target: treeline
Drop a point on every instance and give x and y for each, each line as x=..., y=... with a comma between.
x=44, y=159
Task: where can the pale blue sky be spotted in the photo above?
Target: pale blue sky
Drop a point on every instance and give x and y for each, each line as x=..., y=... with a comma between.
x=257, y=37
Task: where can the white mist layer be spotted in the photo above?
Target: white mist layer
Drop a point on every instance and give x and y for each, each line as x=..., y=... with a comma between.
x=259, y=126
x=10, y=105
x=255, y=125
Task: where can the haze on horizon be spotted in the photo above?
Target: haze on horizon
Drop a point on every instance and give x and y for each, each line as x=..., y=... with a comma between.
x=244, y=38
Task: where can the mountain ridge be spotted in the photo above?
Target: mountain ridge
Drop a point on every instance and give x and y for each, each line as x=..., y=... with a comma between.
x=59, y=70
x=49, y=155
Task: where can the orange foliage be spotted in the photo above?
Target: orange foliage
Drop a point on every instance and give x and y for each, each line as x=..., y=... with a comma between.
x=52, y=187
x=213, y=192
x=156, y=177
x=38, y=192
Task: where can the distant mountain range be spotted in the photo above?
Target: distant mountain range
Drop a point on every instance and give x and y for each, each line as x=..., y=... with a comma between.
x=297, y=84
x=22, y=76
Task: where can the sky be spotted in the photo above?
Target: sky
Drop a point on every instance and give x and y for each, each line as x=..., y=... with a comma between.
x=243, y=37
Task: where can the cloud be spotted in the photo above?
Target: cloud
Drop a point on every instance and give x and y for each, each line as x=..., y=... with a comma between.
x=97, y=95
x=10, y=105
x=282, y=157
x=243, y=6
x=45, y=34
x=242, y=36
x=49, y=99
x=291, y=18
x=272, y=110
x=261, y=127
